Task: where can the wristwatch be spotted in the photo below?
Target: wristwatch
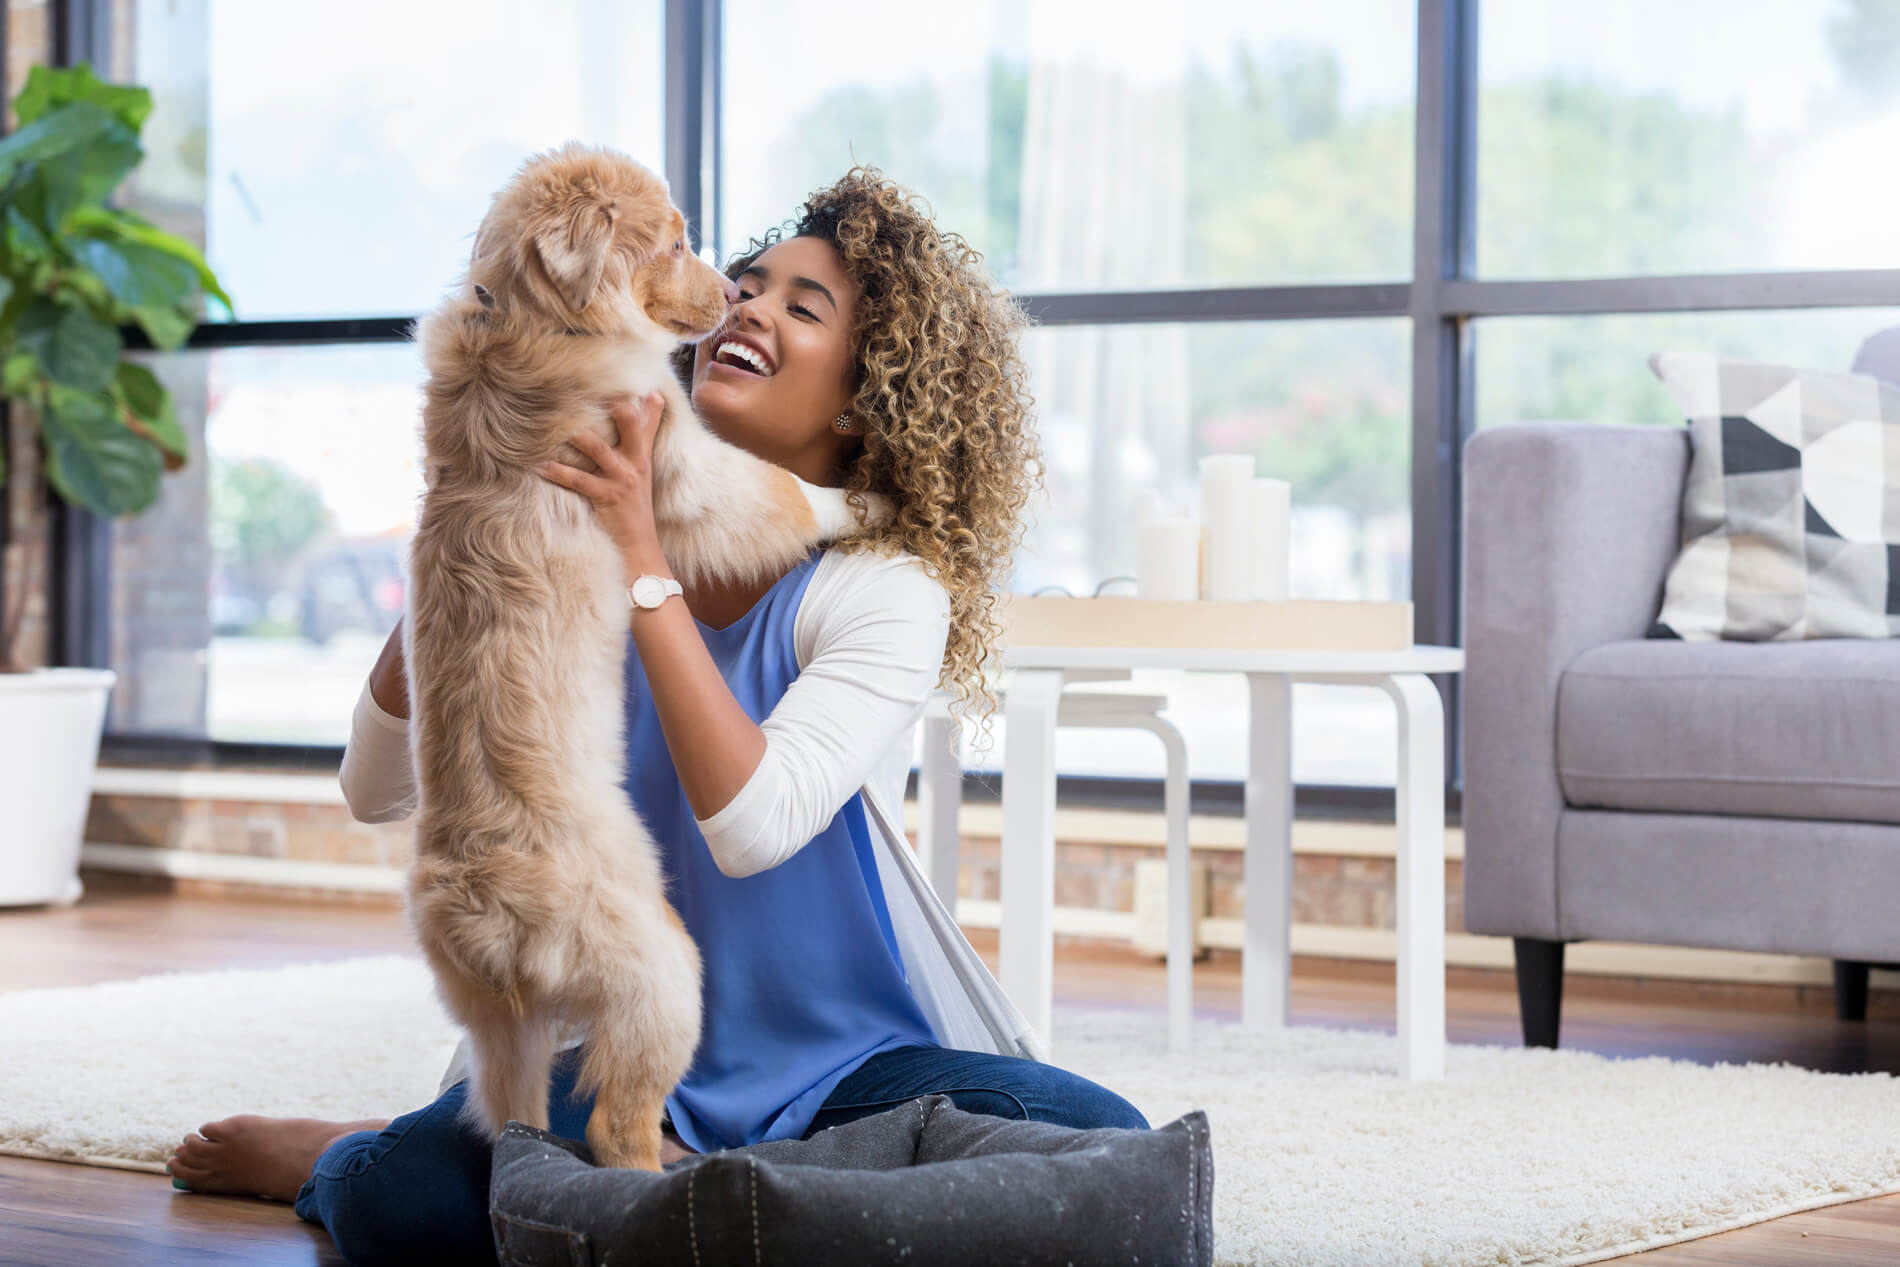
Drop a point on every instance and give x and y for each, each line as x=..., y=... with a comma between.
x=649, y=591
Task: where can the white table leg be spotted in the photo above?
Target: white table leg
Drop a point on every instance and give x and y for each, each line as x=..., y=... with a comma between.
x=1268, y=875
x=1028, y=862
x=1421, y=873
x=939, y=797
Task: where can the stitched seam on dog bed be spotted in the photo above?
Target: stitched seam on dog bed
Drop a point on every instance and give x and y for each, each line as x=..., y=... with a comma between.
x=752, y=1164
x=1194, y=1209
x=692, y=1224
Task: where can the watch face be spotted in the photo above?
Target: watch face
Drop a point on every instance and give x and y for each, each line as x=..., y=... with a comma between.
x=649, y=591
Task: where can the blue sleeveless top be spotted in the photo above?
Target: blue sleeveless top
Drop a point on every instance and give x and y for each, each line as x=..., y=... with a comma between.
x=802, y=977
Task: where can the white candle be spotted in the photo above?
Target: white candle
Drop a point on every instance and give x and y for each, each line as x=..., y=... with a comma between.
x=1272, y=505
x=1167, y=558
x=1227, y=573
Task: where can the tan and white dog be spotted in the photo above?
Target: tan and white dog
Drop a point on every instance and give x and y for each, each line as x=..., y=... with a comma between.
x=536, y=893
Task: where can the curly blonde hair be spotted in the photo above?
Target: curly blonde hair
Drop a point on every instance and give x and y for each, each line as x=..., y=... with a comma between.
x=942, y=396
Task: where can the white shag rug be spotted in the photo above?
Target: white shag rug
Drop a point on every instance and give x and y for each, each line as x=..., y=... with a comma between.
x=1322, y=1156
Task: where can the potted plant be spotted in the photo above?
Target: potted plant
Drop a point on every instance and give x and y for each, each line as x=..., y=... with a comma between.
x=74, y=270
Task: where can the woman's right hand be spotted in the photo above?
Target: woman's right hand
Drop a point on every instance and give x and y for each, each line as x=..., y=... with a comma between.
x=388, y=682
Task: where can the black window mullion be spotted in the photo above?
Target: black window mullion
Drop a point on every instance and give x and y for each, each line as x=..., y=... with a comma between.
x=1444, y=237
x=80, y=545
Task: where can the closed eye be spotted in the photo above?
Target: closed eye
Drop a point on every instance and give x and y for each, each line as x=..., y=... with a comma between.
x=801, y=309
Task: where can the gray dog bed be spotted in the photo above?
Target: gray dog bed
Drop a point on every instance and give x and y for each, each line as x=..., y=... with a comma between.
x=918, y=1185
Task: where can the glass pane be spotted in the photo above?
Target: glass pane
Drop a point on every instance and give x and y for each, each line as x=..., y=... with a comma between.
x=1596, y=369
x=334, y=161
x=1628, y=137
x=1091, y=146
x=1325, y=405
x=250, y=603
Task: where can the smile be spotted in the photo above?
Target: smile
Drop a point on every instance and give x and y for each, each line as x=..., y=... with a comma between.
x=739, y=356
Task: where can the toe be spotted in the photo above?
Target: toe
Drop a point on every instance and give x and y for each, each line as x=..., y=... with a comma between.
x=194, y=1151
x=183, y=1172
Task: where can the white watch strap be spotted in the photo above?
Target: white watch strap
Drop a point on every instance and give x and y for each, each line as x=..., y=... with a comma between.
x=669, y=588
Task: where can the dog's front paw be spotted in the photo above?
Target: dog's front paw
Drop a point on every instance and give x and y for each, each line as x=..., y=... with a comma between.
x=837, y=517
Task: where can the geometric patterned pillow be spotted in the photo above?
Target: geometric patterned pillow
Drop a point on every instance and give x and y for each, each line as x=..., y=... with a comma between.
x=1791, y=509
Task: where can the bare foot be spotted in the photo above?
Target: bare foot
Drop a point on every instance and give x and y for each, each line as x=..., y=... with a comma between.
x=672, y=1147
x=258, y=1156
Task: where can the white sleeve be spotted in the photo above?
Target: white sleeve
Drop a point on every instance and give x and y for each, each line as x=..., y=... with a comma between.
x=378, y=778
x=869, y=636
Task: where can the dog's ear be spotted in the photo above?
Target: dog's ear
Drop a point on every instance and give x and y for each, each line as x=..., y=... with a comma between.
x=573, y=247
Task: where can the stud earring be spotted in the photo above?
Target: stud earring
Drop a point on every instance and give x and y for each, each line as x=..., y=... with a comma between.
x=843, y=423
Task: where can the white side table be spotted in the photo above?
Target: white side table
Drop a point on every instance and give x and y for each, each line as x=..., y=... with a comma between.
x=1028, y=848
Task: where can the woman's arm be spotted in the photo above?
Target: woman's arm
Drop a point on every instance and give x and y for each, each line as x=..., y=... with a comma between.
x=714, y=743
x=379, y=783
x=870, y=638
x=388, y=683
x=761, y=792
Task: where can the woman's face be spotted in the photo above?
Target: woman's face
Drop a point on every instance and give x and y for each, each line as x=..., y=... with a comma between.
x=781, y=395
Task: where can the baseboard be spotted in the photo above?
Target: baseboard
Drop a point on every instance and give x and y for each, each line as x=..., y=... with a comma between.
x=1142, y=829
x=1462, y=950
x=218, y=785
x=271, y=873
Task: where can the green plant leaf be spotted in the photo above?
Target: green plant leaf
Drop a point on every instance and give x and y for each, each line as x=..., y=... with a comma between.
x=93, y=459
x=139, y=276
x=86, y=175
x=73, y=347
x=66, y=128
x=123, y=226
x=139, y=390
x=27, y=238
x=47, y=88
x=18, y=376
x=167, y=327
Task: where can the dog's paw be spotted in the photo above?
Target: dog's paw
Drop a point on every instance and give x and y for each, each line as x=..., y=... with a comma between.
x=836, y=516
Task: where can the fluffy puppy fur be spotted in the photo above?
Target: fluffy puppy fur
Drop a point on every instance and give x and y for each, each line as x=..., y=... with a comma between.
x=536, y=892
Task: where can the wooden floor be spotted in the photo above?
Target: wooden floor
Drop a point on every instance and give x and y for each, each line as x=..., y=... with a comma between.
x=53, y=1214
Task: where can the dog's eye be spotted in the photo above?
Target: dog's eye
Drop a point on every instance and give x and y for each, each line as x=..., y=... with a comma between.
x=679, y=246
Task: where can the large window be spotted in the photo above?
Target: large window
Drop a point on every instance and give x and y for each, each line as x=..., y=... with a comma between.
x=1339, y=237
x=1699, y=136
x=252, y=600
x=1088, y=146
x=335, y=162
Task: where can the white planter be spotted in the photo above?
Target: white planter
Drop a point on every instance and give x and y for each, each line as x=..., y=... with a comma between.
x=50, y=721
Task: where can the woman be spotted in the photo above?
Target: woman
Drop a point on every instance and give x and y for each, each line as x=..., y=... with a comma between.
x=768, y=735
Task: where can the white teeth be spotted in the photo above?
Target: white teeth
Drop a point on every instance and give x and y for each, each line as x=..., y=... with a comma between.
x=749, y=355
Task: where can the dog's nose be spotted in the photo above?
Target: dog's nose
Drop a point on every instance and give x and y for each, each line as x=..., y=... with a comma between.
x=732, y=291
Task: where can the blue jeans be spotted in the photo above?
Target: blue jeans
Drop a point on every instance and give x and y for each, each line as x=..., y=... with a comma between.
x=417, y=1191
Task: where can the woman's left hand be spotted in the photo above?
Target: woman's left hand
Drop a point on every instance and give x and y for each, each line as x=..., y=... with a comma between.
x=622, y=490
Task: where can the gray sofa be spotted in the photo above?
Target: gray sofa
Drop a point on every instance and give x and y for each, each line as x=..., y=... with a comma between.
x=1739, y=796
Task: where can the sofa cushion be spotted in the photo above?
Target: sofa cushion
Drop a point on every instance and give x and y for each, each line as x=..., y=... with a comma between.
x=1791, y=508
x=1791, y=730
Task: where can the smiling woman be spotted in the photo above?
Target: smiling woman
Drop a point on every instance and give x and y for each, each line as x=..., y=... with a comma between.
x=779, y=379
x=891, y=367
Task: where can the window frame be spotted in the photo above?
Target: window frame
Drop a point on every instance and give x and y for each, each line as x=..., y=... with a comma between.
x=1442, y=298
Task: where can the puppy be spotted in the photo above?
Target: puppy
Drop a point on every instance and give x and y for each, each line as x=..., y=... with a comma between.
x=536, y=893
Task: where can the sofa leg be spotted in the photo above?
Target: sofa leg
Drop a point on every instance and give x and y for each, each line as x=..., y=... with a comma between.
x=1540, y=988
x=1850, y=989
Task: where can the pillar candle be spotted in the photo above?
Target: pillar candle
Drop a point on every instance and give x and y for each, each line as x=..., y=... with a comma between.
x=1227, y=572
x=1167, y=558
x=1271, y=508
